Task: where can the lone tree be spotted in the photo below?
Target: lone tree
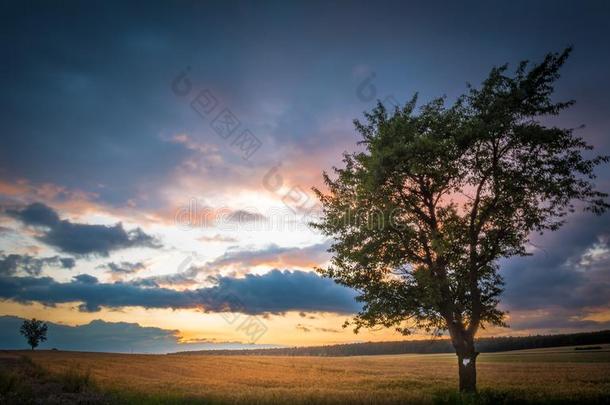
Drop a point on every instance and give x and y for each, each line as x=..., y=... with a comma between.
x=421, y=217
x=34, y=331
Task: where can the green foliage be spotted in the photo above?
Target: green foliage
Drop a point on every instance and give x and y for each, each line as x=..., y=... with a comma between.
x=35, y=332
x=421, y=217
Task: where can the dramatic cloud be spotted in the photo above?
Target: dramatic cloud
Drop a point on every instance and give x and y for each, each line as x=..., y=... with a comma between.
x=81, y=239
x=273, y=292
x=124, y=267
x=279, y=291
x=570, y=268
x=37, y=214
x=243, y=260
x=118, y=337
x=85, y=279
x=67, y=262
x=567, y=276
x=554, y=319
x=13, y=263
x=273, y=255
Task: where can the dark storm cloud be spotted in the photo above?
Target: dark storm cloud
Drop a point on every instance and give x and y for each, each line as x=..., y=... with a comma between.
x=37, y=214
x=273, y=292
x=569, y=269
x=85, y=278
x=80, y=239
x=116, y=337
x=14, y=263
x=279, y=291
x=67, y=262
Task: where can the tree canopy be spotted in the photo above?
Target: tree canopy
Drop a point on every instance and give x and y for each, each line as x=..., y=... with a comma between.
x=35, y=332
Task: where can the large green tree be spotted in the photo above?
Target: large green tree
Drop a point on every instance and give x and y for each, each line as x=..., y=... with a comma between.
x=421, y=217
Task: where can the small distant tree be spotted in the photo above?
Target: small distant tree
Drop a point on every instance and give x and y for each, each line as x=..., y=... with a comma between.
x=35, y=332
x=422, y=216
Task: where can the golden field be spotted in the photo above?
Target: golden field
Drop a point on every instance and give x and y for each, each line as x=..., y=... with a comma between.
x=545, y=375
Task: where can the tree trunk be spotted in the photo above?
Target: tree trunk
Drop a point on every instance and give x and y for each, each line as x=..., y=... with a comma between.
x=467, y=366
x=463, y=343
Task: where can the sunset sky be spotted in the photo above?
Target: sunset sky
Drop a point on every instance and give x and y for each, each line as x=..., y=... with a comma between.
x=156, y=163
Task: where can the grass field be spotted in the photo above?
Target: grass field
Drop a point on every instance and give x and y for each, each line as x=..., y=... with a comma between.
x=559, y=375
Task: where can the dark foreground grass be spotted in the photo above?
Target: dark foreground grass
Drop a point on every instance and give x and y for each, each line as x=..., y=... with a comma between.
x=440, y=397
x=490, y=397
x=24, y=381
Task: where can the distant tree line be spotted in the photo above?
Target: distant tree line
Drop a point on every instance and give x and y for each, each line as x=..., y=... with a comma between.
x=440, y=345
